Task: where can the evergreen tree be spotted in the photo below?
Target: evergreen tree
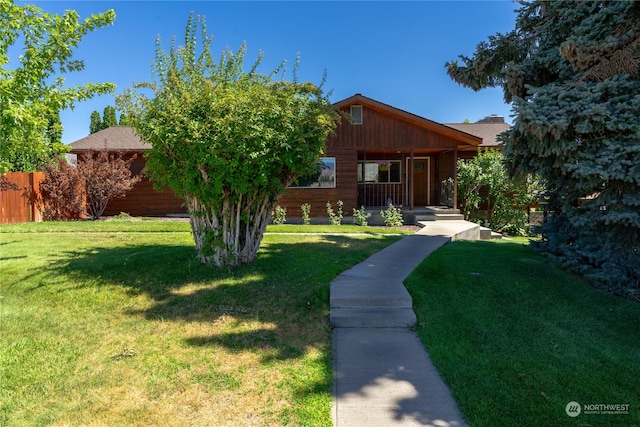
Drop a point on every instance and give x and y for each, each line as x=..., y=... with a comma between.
x=124, y=120
x=109, y=117
x=96, y=122
x=571, y=70
x=54, y=130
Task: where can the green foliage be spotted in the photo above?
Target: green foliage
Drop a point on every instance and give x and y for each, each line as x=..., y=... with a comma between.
x=227, y=141
x=572, y=72
x=124, y=120
x=446, y=190
x=279, y=215
x=96, y=122
x=32, y=90
x=483, y=182
x=360, y=216
x=109, y=117
x=335, y=218
x=392, y=216
x=306, y=211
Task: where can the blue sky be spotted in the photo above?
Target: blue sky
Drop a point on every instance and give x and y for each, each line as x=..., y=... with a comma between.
x=393, y=52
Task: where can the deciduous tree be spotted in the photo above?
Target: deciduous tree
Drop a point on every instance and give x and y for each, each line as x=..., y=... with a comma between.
x=226, y=140
x=572, y=71
x=32, y=90
x=485, y=182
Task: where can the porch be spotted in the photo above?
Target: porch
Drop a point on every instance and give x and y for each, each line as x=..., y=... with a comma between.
x=415, y=179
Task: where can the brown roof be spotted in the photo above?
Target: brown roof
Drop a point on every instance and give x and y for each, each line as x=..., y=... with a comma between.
x=486, y=129
x=115, y=138
x=465, y=137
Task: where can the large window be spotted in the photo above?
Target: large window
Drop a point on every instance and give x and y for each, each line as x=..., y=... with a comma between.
x=323, y=177
x=379, y=171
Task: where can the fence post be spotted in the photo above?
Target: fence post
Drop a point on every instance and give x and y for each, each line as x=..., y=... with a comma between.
x=34, y=182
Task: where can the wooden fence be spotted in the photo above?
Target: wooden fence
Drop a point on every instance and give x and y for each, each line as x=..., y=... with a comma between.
x=18, y=194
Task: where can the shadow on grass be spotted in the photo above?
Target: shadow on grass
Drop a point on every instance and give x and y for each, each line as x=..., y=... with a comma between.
x=286, y=289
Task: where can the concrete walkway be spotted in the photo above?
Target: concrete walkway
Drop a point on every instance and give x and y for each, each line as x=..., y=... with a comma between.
x=382, y=374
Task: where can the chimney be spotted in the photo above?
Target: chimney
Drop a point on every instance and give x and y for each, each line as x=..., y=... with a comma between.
x=494, y=118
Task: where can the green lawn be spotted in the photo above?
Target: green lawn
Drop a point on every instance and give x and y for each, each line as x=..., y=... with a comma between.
x=517, y=339
x=152, y=225
x=128, y=328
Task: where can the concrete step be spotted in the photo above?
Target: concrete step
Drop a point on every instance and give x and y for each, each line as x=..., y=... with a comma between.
x=372, y=318
x=440, y=217
x=368, y=293
x=488, y=234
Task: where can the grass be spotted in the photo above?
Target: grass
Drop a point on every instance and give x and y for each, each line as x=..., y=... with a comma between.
x=517, y=339
x=127, y=328
x=151, y=225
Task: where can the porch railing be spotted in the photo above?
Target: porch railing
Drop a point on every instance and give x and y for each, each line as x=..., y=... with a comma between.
x=379, y=194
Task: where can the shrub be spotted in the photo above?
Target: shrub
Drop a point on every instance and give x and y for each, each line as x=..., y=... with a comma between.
x=335, y=218
x=360, y=216
x=446, y=189
x=61, y=191
x=98, y=177
x=306, y=211
x=106, y=176
x=279, y=215
x=392, y=216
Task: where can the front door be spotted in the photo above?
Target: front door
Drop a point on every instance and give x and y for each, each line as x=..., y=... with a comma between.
x=421, y=182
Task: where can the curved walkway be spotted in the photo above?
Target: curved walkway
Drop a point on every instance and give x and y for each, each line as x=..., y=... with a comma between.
x=382, y=374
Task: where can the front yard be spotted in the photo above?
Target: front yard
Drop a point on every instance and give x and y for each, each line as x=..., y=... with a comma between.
x=117, y=323
x=128, y=328
x=517, y=339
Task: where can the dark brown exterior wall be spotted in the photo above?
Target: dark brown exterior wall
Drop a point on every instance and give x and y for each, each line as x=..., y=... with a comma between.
x=443, y=169
x=380, y=136
x=346, y=188
x=143, y=199
x=380, y=131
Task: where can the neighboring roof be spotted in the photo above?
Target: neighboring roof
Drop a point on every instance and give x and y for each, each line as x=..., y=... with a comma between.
x=488, y=129
x=446, y=130
x=115, y=138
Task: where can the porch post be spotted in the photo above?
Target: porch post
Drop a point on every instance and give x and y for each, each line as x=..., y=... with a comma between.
x=455, y=178
x=411, y=205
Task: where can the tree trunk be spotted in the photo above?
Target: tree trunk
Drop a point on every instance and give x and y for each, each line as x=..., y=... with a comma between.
x=231, y=237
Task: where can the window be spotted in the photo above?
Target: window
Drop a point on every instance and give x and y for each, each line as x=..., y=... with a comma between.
x=379, y=171
x=323, y=177
x=356, y=114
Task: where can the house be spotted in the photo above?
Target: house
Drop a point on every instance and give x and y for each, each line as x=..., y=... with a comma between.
x=381, y=155
x=143, y=199
x=384, y=154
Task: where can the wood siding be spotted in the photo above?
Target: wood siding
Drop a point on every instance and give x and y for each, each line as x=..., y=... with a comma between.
x=143, y=199
x=18, y=194
x=346, y=188
x=380, y=131
x=381, y=136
